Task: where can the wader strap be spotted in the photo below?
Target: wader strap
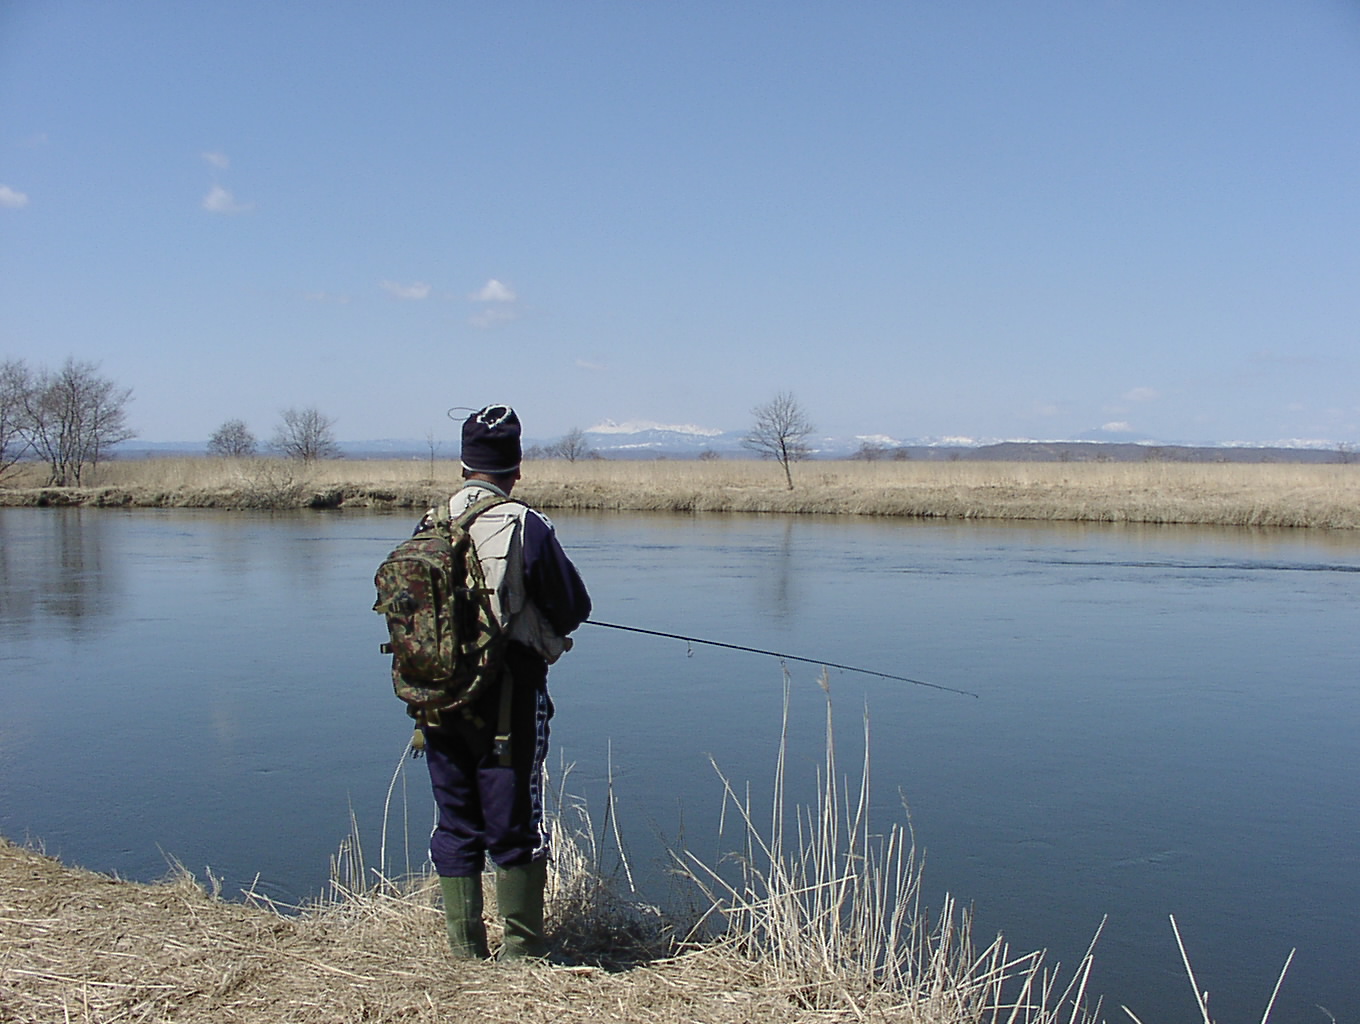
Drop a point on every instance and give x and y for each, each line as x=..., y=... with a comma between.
x=502, y=744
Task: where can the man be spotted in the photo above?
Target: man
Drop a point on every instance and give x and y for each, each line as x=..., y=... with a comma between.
x=491, y=804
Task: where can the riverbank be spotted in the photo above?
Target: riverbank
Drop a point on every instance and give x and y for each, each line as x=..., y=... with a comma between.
x=80, y=947
x=828, y=926
x=1222, y=494
x=83, y=948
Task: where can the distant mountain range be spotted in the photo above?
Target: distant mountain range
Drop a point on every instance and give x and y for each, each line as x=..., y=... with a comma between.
x=612, y=440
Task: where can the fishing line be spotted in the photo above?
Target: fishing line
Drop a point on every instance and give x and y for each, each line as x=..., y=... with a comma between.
x=779, y=654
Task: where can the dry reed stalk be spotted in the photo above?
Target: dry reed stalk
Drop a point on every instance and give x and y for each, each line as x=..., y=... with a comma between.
x=592, y=921
x=1202, y=994
x=829, y=913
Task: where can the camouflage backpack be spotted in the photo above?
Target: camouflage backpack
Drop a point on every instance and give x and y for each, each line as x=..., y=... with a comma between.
x=445, y=640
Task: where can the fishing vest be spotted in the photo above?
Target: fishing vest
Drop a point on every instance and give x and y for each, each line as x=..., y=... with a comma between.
x=498, y=535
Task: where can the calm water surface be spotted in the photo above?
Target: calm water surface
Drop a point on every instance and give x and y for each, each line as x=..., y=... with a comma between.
x=1165, y=720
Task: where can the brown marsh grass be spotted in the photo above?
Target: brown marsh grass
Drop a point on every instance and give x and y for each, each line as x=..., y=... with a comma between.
x=821, y=922
x=1229, y=494
x=81, y=947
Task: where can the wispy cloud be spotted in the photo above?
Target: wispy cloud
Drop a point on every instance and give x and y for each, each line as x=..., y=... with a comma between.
x=586, y=364
x=493, y=316
x=1142, y=395
x=338, y=299
x=12, y=199
x=220, y=200
x=500, y=299
x=494, y=291
x=217, y=159
x=407, y=292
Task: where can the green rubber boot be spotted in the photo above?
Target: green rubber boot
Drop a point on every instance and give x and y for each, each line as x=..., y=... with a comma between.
x=519, y=895
x=463, y=917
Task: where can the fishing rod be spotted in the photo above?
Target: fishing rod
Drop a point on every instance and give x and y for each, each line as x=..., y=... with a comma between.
x=778, y=654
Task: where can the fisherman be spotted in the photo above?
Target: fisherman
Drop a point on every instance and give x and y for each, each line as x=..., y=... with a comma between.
x=490, y=805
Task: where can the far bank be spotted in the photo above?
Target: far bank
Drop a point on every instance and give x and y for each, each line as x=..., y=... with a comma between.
x=1222, y=494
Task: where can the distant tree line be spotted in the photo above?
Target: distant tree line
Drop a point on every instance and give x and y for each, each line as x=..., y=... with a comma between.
x=875, y=451
x=69, y=418
x=572, y=446
x=303, y=434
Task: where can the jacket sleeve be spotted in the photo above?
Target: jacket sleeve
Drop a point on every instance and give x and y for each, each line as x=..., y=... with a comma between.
x=552, y=582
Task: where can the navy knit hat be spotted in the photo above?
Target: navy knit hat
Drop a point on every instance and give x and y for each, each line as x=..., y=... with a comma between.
x=491, y=441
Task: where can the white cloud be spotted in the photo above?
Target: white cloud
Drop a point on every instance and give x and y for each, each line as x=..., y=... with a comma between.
x=493, y=315
x=1141, y=395
x=415, y=290
x=220, y=200
x=218, y=160
x=1117, y=427
x=494, y=291
x=12, y=199
x=586, y=364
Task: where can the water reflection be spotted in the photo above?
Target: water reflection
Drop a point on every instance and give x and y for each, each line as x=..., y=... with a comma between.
x=58, y=570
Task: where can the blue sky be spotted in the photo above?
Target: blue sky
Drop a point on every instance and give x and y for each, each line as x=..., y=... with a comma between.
x=925, y=219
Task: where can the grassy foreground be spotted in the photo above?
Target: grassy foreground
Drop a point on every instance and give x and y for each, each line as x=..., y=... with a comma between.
x=820, y=920
x=817, y=918
x=1227, y=494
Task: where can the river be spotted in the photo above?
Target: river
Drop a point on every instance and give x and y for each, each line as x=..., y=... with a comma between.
x=1164, y=720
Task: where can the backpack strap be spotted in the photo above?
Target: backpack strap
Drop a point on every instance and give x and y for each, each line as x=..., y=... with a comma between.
x=501, y=744
x=465, y=518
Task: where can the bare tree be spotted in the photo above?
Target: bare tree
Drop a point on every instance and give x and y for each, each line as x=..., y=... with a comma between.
x=780, y=432
x=572, y=446
x=434, y=445
x=73, y=417
x=305, y=434
x=15, y=383
x=232, y=439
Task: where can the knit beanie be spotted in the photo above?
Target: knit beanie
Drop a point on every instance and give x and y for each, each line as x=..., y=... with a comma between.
x=491, y=441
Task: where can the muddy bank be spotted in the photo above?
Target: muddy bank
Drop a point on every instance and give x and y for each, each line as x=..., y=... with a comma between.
x=1040, y=501
x=327, y=497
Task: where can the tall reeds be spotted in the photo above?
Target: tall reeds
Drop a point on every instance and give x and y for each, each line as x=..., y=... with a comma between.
x=827, y=911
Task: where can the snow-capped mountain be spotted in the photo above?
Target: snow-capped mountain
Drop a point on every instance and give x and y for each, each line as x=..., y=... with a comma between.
x=645, y=439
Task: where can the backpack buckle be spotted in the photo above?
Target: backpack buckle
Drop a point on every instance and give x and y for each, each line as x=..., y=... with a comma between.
x=500, y=746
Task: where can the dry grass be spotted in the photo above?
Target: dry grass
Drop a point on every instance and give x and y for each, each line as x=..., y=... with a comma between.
x=821, y=922
x=80, y=947
x=1232, y=494
x=835, y=933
